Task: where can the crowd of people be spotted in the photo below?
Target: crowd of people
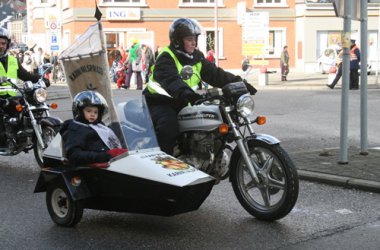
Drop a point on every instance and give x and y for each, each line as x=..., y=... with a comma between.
x=132, y=64
x=35, y=62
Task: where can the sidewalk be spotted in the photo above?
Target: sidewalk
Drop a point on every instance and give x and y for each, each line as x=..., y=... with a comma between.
x=301, y=80
x=361, y=172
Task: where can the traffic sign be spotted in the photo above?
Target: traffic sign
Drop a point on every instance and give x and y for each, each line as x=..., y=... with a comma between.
x=54, y=39
x=53, y=26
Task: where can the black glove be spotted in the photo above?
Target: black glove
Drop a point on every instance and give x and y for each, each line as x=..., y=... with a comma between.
x=252, y=90
x=47, y=82
x=3, y=102
x=193, y=97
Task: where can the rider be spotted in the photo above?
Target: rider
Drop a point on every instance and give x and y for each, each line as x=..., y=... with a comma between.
x=183, y=34
x=11, y=68
x=86, y=139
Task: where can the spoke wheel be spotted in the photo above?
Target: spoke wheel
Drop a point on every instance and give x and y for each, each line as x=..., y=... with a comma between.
x=277, y=191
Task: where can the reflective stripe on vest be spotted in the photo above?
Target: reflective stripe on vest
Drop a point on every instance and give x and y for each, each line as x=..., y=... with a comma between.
x=7, y=91
x=155, y=88
x=353, y=56
x=12, y=73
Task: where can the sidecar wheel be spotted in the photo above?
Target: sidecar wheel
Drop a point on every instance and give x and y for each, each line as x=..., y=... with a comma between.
x=48, y=134
x=62, y=208
x=276, y=194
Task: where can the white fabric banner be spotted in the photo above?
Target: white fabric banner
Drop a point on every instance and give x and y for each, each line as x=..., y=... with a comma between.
x=86, y=67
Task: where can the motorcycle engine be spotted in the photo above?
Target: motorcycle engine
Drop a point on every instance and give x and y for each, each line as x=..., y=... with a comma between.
x=203, y=151
x=13, y=134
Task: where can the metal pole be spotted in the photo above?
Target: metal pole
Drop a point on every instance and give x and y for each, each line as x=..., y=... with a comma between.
x=343, y=154
x=363, y=78
x=216, y=46
x=378, y=48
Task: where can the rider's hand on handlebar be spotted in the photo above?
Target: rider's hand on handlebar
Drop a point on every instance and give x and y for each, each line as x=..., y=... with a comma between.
x=47, y=82
x=193, y=97
x=252, y=90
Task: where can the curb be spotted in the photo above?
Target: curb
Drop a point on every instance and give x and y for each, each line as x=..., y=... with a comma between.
x=346, y=182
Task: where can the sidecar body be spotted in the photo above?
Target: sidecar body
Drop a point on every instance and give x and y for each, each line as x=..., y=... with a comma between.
x=143, y=180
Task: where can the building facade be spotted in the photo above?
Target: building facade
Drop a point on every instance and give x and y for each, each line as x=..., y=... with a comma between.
x=307, y=27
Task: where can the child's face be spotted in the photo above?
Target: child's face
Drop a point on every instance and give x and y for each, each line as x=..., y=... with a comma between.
x=90, y=114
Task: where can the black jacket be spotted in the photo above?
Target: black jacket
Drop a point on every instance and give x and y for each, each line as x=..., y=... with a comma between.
x=22, y=73
x=82, y=144
x=166, y=73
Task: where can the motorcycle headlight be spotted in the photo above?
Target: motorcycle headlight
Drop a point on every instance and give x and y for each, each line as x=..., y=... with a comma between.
x=40, y=95
x=245, y=105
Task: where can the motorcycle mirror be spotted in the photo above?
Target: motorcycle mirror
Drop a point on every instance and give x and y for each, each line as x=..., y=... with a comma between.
x=47, y=69
x=245, y=65
x=187, y=72
x=3, y=79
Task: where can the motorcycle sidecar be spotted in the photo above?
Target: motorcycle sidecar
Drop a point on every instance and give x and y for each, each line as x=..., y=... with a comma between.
x=135, y=184
x=145, y=180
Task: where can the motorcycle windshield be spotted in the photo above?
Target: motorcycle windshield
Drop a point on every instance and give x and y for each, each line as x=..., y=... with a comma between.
x=136, y=125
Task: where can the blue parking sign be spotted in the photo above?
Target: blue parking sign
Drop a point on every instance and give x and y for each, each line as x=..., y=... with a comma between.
x=53, y=39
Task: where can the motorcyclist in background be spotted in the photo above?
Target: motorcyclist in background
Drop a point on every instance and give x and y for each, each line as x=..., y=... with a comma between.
x=11, y=68
x=183, y=34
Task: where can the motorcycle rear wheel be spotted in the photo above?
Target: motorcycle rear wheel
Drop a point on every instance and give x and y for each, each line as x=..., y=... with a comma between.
x=48, y=134
x=276, y=194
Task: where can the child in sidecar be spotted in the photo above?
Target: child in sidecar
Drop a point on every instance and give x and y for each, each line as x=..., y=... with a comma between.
x=86, y=140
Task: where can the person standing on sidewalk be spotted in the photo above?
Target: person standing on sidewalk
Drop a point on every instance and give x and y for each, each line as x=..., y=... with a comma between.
x=340, y=68
x=134, y=65
x=354, y=65
x=284, y=63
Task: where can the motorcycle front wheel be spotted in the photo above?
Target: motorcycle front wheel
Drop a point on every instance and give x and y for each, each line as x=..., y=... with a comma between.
x=277, y=191
x=48, y=134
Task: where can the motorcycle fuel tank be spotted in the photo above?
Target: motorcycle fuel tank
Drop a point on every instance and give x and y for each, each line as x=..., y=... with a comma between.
x=201, y=117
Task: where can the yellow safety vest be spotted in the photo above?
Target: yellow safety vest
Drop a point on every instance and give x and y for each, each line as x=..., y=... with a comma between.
x=155, y=88
x=11, y=73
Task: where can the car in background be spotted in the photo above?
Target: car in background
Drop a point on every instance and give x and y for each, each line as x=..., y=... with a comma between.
x=328, y=60
x=22, y=47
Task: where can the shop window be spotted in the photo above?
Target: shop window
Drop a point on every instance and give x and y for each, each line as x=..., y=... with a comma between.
x=44, y=3
x=328, y=39
x=112, y=41
x=270, y=2
x=206, y=42
x=318, y=1
x=200, y=3
x=125, y=2
x=277, y=40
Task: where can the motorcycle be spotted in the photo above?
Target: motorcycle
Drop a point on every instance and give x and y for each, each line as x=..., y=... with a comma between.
x=146, y=180
x=26, y=122
x=217, y=137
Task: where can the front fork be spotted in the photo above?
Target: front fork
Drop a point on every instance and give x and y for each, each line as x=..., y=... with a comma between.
x=252, y=166
x=37, y=128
